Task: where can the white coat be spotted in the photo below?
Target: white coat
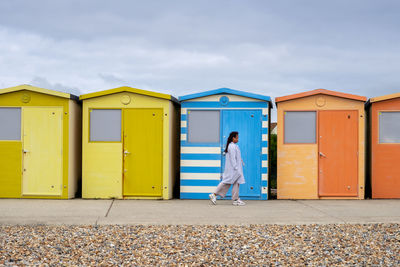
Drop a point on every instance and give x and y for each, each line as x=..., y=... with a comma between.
x=233, y=166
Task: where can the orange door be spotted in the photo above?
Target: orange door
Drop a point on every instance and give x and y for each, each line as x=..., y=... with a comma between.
x=338, y=153
x=385, y=156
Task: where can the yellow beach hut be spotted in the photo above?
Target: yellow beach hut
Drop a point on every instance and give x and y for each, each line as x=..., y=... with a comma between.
x=40, y=143
x=130, y=144
x=321, y=145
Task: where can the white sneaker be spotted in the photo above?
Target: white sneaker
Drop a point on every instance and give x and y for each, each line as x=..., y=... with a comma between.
x=213, y=198
x=238, y=202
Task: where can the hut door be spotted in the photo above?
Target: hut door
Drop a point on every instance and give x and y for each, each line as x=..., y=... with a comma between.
x=143, y=139
x=338, y=153
x=42, y=151
x=248, y=124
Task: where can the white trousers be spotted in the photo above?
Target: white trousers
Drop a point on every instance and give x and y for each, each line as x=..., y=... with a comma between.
x=222, y=189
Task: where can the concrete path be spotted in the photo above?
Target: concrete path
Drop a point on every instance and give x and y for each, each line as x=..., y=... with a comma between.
x=108, y=212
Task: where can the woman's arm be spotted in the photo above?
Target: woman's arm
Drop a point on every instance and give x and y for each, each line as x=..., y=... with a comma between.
x=233, y=156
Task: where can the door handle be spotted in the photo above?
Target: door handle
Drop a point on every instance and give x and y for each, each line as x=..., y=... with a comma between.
x=126, y=152
x=25, y=151
x=322, y=154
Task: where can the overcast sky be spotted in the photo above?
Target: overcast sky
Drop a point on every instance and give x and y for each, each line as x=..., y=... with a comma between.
x=273, y=48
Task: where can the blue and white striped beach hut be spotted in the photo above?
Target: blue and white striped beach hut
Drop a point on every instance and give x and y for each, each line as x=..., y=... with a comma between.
x=207, y=118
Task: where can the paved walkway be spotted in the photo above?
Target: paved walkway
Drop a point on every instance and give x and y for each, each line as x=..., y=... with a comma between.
x=100, y=212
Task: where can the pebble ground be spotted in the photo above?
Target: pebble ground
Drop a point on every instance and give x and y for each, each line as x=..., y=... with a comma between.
x=257, y=245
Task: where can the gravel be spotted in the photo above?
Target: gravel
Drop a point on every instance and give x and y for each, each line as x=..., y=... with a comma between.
x=276, y=245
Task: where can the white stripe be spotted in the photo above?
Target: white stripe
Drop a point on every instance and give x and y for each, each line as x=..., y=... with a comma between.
x=264, y=163
x=198, y=189
x=200, y=176
x=183, y=124
x=264, y=177
x=265, y=137
x=232, y=98
x=184, y=111
x=183, y=137
x=200, y=150
x=265, y=111
x=200, y=163
x=265, y=124
x=264, y=190
x=265, y=150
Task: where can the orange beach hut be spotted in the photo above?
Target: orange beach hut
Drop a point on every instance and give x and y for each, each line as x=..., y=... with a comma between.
x=321, y=145
x=384, y=117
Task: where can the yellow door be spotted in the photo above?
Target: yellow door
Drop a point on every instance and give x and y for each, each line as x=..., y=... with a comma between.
x=143, y=133
x=42, y=149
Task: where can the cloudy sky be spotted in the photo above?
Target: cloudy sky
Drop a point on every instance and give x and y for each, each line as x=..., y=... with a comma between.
x=179, y=47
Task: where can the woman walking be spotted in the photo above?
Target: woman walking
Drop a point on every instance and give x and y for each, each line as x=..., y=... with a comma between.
x=233, y=173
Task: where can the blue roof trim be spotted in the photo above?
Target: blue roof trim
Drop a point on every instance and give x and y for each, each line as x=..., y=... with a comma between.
x=225, y=91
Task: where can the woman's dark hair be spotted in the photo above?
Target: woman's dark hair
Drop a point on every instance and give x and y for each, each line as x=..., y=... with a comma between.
x=231, y=135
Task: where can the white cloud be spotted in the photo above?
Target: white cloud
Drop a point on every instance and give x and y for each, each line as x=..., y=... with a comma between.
x=180, y=47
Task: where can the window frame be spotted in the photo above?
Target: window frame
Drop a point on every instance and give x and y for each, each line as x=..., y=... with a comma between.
x=316, y=127
x=379, y=127
x=20, y=124
x=203, y=143
x=89, y=125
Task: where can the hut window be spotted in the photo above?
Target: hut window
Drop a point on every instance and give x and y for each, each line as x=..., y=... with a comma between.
x=105, y=125
x=10, y=123
x=389, y=127
x=203, y=126
x=300, y=127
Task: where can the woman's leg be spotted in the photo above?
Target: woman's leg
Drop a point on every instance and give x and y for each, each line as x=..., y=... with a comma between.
x=222, y=189
x=235, y=191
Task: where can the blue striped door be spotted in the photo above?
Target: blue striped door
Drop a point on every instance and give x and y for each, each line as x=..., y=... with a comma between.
x=248, y=123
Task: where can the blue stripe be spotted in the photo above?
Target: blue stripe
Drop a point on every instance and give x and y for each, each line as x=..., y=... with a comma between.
x=214, y=104
x=201, y=156
x=205, y=196
x=183, y=117
x=186, y=143
x=183, y=130
x=265, y=117
x=264, y=170
x=264, y=157
x=201, y=169
x=264, y=130
x=264, y=143
x=194, y=195
x=264, y=183
x=199, y=182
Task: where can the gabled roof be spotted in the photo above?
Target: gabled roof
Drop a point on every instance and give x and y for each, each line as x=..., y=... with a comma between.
x=318, y=92
x=37, y=90
x=225, y=91
x=384, y=97
x=127, y=89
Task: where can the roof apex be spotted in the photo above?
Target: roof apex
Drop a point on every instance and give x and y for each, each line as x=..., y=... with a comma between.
x=127, y=89
x=320, y=91
x=384, y=97
x=225, y=91
x=38, y=90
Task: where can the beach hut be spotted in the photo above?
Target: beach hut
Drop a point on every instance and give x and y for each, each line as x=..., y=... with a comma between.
x=130, y=144
x=321, y=145
x=40, y=143
x=207, y=118
x=384, y=132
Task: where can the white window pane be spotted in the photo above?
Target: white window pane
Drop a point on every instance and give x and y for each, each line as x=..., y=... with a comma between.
x=10, y=123
x=203, y=126
x=389, y=127
x=300, y=126
x=105, y=125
